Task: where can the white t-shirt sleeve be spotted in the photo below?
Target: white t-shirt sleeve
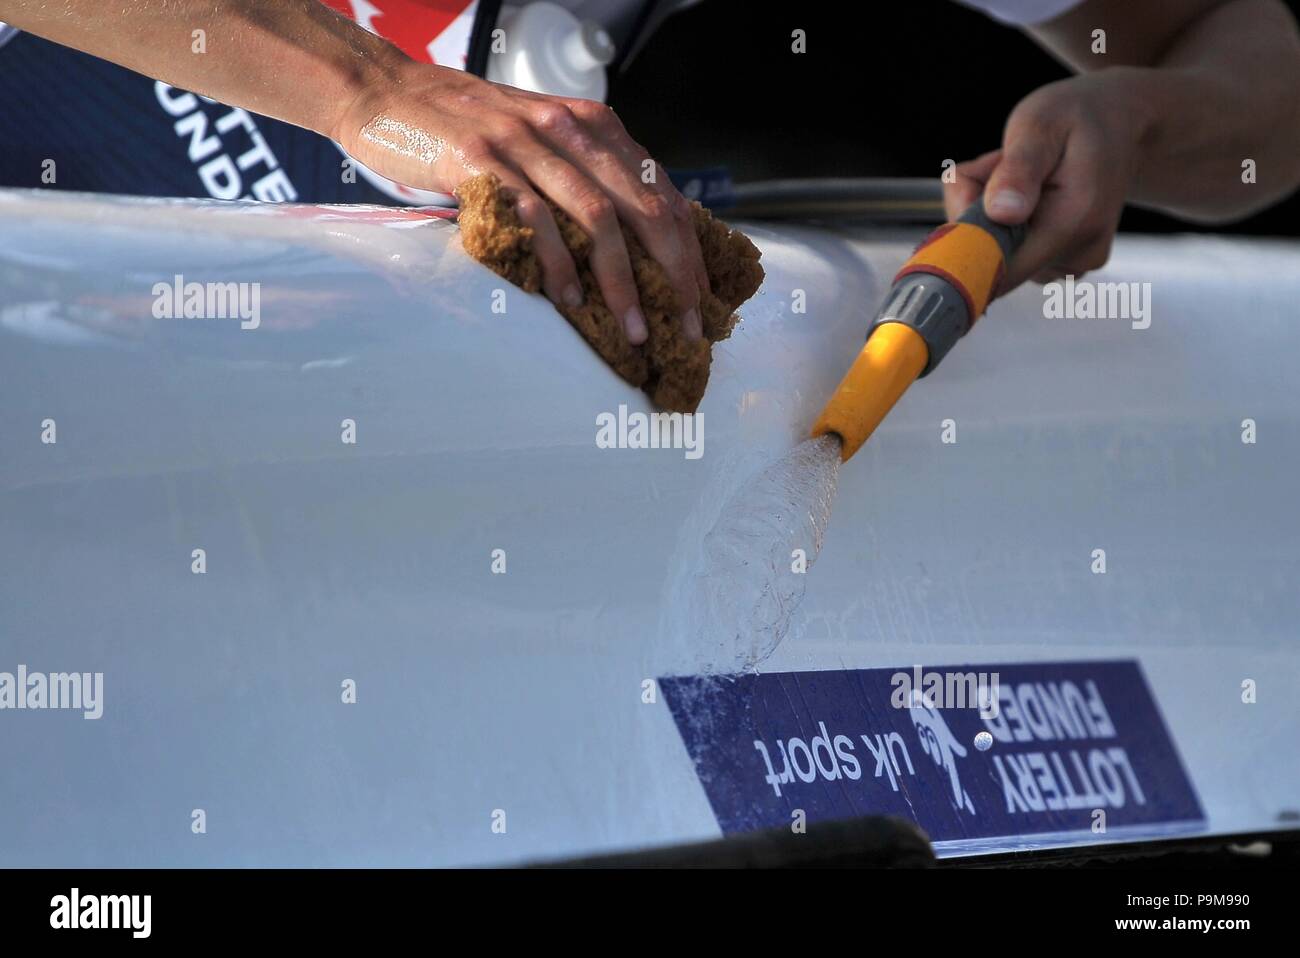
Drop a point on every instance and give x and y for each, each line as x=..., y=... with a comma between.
x=1022, y=13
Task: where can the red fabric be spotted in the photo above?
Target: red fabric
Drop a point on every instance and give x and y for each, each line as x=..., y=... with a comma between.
x=411, y=25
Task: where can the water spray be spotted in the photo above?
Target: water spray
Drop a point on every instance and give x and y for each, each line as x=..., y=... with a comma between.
x=751, y=585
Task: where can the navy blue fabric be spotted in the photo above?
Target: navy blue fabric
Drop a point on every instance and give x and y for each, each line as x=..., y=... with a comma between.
x=106, y=131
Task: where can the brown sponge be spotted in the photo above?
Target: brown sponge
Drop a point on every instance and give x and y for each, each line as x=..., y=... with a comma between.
x=672, y=370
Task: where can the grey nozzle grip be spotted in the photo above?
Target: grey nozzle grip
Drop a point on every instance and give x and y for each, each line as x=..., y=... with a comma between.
x=1009, y=237
x=926, y=301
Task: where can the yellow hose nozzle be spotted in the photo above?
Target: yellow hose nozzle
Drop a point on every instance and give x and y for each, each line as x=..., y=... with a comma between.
x=935, y=299
x=890, y=361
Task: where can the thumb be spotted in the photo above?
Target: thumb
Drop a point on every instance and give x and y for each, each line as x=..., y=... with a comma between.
x=1031, y=148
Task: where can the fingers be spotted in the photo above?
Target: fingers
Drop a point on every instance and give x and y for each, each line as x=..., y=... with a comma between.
x=560, y=280
x=593, y=210
x=656, y=220
x=669, y=237
x=969, y=183
x=577, y=153
x=1074, y=223
x=685, y=214
x=590, y=136
x=1081, y=262
x=559, y=274
x=1060, y=171
x=1032, y=146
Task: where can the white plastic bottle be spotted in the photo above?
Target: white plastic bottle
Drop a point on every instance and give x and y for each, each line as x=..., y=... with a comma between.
x=549, y=50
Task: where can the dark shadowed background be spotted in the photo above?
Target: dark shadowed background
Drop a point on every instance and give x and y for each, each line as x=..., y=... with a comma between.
x=891, y=92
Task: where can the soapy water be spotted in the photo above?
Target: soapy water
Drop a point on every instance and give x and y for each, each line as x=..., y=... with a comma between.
x=753, y=578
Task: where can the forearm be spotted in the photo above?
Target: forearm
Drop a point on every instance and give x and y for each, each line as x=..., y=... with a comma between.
x=1220, y=91
x=295, y=60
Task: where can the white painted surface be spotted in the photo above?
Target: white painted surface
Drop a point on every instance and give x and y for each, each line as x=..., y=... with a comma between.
x=476, y=432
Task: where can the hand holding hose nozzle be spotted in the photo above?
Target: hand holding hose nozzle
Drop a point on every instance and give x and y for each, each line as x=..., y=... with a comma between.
x=935, y=300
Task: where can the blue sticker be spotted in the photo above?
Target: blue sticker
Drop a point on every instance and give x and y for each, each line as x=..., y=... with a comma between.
x=971, y=752
x=713, y=186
